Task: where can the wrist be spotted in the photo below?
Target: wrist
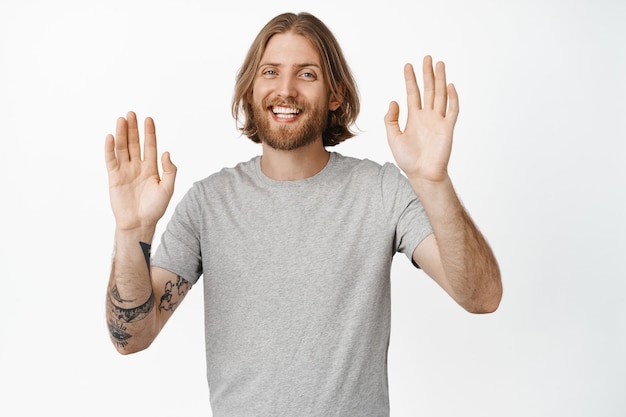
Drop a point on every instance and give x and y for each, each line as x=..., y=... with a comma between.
x=438, y=197
x=424, y=185
x=135, y=234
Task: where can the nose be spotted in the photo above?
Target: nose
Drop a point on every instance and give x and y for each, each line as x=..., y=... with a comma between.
x=287, y=87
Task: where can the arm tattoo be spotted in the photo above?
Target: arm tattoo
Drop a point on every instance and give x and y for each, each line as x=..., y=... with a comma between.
x=119, y=334
x=146, y=248
x=120, y=315
x=168, y=303
x=128, y=315
x=115, y=293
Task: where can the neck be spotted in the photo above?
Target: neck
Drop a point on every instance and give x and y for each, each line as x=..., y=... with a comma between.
x=297, y=164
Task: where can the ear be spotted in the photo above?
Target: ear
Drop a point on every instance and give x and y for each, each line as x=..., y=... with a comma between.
x=336, y=99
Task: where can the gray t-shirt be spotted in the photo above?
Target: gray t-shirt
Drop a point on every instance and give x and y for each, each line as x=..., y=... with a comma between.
x=296, y=284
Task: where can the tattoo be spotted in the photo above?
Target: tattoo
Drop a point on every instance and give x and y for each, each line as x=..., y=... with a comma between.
x=119, y=335
x=146, y=248
x=120, y=315
x=183, y=285
x=115, y=293
x=128, y=315
x=167, y=302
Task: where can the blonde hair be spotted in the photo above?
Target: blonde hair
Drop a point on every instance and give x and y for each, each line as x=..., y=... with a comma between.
x=336, y=72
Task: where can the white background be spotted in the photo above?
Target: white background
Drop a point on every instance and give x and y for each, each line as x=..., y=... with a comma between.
x=538, y=161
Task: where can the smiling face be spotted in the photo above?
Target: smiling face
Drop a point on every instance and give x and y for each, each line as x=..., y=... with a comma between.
x=290, y=100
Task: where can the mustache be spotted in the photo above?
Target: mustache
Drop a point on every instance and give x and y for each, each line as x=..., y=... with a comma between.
x=272, y=102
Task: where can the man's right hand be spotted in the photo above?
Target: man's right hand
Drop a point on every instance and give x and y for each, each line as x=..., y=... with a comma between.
x=139, y=196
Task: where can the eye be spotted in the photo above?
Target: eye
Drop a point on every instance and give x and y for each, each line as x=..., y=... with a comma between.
x=308, y=75
x=269, y=73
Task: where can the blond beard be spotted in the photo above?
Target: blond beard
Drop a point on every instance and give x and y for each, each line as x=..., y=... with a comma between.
x=287, y=138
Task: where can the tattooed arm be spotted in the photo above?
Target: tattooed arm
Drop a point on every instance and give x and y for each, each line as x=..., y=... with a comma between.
x=140, y=299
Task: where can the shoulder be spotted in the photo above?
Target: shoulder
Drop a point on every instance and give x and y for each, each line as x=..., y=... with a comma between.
x=366, y=169
x=242, y=172
x=385, y=181
x=219, y=184
x=348, y=164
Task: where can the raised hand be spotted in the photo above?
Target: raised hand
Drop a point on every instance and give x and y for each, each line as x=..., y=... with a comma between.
x=423, y=149
x=139, y=196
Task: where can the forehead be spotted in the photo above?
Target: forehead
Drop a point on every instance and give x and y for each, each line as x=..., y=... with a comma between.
x=290, y=49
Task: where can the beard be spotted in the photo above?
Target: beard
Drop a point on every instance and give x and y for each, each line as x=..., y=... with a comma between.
x=285, y=137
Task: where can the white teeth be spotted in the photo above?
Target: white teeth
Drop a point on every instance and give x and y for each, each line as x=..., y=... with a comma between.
x=285, y=110
x=285, y=115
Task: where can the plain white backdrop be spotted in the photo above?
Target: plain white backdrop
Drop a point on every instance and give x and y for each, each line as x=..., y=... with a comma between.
x=538, y=160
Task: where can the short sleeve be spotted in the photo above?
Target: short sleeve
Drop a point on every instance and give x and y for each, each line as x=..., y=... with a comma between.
x=405, y=210
x=180, y=250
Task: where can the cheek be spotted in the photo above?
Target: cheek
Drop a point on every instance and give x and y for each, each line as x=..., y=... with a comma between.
x=258, y=91
x=257, y=97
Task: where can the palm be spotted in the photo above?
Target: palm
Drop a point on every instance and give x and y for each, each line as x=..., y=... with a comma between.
x=423, y=149
x=139, y=197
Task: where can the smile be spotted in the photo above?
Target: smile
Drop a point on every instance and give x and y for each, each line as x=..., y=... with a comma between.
x=285, y=112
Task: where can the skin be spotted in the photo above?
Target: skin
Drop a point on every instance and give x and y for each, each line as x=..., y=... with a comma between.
x=141, y=298
x=290, y=69
x=139, y=197
x=456, y=255
x=287, y=118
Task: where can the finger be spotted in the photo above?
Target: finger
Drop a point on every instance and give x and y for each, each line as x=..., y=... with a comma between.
x=169, y=172
x=121, y=140
x=413, y=97
x=149, y=142
x=429, y=82
x=109, y=153
x=134, y=148
x=441, y=89
x=453, y=104
x=391, y=121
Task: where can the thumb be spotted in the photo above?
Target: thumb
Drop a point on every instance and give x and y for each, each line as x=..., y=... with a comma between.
x=169, y=171
x=391, y=121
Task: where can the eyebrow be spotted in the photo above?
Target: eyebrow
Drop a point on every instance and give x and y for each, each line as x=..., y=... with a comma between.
x=305, y=65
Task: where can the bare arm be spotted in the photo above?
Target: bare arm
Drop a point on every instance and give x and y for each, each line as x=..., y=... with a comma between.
x=457, y=255
x=140, y=299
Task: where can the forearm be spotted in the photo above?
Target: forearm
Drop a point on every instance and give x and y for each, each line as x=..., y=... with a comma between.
x=130, y=300
x=471, y=271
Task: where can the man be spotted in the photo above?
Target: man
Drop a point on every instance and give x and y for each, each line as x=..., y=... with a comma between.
x=295, y=246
